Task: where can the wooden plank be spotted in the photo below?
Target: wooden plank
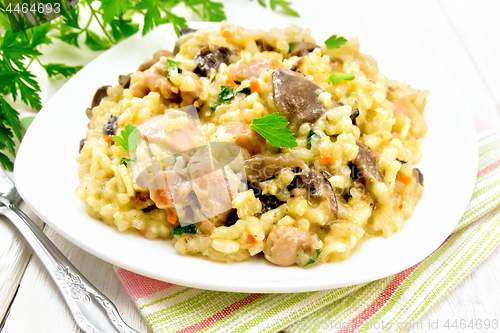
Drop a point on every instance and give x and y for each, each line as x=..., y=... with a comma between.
x=14, y=257
x=38, y=306
x=477, y=25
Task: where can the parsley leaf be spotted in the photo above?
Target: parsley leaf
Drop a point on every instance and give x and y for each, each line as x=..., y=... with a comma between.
x=61, y=69
x=290, y=47
x=125, y=161
x=95, y=42
x=334, y=42
x=335, y=78
x=312, y=261
x=188, y=229
x=171, y=66
x=273, y=129
x=129, y=137
x=309, y=137
x=225, y=96
x=285, y=6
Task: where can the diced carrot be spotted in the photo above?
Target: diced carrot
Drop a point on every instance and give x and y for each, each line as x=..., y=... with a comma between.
x=108, y=139
x=142, y=233
x=171, y=216
x=405, y=179
x=254, y=86
x=231, y=83
x=226, y=34
x=88, y=125
x=325, y=158
x=251, y=239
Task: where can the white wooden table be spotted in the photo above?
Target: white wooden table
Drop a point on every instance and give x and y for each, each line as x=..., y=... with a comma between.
x=463, y=35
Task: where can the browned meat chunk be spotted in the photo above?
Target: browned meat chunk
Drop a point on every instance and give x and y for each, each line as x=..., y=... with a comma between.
x=284, y=243
x=261, y=167
x=296, y=98
x=211, y=57
x=365, y=163
x=156, y=57
x=99, y=95
x=301, y=49
x=247, y=138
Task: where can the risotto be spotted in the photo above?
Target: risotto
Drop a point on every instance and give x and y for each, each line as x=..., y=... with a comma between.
x=245, y=143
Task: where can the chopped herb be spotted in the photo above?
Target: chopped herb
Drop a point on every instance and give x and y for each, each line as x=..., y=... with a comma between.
x=335, y=42
x=335, y=78
x=246, y=91
x=125, y=161
x=173, y=65
x=290, y=47
x=273, y=129
x=129, y=137
x=188, y=229
x=310, y=135
x=225, y=96
x=312, y=261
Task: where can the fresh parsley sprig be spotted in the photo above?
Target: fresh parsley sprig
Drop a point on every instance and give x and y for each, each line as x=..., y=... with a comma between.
x=129, y=138
x=335, y=78
x=273, y=129
x=334, y=42
x=173, y=65
x=285, y=6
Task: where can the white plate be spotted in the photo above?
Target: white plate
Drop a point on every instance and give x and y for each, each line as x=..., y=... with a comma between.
x=46, y=177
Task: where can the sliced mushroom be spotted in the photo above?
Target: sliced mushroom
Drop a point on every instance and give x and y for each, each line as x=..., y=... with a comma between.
x=211, y=57
x=269, y=202
x=82, y=143
x=99, y=95
x=296, y=65
x=301, y=49
x=142, y=200
x=88, y=112
x=185, y=31
x=156, y=57
x=354, y=115
x=318, y=187
x=262, y=166
x=263, y=45
x=109, y=127
x=284, y=243
x=296, y=98
x=247, y=138
x=365, y=163
x=124, y=80
x=418, y=175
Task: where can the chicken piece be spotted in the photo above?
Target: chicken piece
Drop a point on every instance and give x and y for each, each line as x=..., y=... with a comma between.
x=156, y=57
x=283, y=244
x=246, y=137
x=261, y=167
x=214, y=189
x=239, y=72
x=296, y=98
x=209, y=225
x=176, y=140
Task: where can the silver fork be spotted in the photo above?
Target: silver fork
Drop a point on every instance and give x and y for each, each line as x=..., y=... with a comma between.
x=93, y=312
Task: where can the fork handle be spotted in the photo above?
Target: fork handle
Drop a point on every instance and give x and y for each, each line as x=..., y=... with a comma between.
x=93, y=312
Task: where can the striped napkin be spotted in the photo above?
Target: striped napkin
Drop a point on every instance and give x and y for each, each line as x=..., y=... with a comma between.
x=390, y=304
